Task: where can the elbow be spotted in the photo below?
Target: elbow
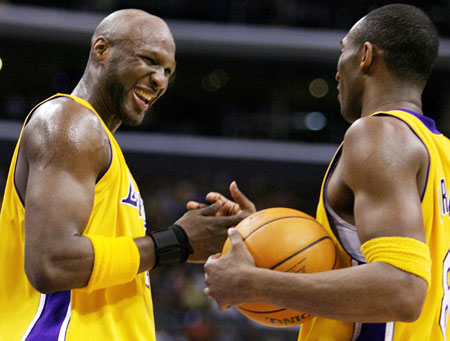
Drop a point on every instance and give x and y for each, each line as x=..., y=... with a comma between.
x=411, y=300
x=42, y=276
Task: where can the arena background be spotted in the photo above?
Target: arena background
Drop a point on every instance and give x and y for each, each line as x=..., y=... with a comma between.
x=254, y=100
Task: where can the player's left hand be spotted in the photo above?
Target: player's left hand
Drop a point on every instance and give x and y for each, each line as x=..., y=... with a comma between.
x=224, y=274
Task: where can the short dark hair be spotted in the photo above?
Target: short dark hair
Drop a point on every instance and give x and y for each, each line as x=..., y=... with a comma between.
x=407, y=37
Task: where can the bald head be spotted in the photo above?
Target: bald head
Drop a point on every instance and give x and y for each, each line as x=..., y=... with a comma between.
x=132, y=25
x=131, y=61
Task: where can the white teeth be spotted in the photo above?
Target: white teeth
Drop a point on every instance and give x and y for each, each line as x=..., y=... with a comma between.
x=144, y=94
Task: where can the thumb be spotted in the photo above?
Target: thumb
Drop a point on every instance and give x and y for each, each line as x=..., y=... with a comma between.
x=240, y=198
x=238, y=246
x=236, y=239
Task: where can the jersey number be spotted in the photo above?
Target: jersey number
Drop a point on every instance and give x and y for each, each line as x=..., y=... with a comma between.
x=443, y=320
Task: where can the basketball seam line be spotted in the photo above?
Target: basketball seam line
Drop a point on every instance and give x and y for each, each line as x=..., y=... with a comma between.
x=305, y=248
x=262, y=312
x=271, y=221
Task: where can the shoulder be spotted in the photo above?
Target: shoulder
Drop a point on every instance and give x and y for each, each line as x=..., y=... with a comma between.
x=380, y=144
x=383, y=134
x=64, y=116
x=63, y=127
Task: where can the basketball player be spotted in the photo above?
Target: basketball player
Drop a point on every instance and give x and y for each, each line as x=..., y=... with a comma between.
x=385, y=201
x=73, y=246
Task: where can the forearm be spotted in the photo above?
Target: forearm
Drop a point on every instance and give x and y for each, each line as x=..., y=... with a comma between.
x=375, y=292
x=70, y=265
x=147, y=253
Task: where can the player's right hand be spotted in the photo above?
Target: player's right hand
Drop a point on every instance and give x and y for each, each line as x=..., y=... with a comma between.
x=206, y=230
x=223, y=273
x=241, y=203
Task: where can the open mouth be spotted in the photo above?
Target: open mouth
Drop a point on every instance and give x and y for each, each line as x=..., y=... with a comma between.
x=143, y=95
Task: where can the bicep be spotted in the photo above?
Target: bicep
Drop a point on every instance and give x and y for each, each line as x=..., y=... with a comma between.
x=382, y=163
x=391, y=209
x=57, y=201
x=60, y=185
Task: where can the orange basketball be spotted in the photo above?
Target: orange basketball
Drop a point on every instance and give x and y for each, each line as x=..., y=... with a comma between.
x=284, y=239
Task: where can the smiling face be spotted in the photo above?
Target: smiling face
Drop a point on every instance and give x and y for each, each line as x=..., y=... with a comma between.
x=350, y=78
x=140, y=63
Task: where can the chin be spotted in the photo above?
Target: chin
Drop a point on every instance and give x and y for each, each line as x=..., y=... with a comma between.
x=131, y=118
x=132, y=121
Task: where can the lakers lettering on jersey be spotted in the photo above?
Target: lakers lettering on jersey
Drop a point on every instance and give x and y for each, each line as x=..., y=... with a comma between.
x=444, y=202
x=122, y=312
x=433, y=322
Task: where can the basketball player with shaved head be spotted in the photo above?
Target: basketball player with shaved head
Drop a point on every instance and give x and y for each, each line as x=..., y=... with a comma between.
x=74, y=251
x=385, y=201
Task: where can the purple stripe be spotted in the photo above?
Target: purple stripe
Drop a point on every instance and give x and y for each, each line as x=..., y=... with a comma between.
x=110, y=160
x=428, y=122
x=14, y=180
x=49, y=324
x=372, y=332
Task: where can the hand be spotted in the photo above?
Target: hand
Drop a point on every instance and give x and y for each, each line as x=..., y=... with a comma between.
x=241, y=203
x=206, y=231
x=225, y=275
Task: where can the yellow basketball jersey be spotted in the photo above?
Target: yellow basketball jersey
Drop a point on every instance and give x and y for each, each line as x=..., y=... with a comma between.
x=432, y=323
x=123, y=312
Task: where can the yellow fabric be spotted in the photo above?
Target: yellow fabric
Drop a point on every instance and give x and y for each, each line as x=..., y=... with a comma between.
x=116, y=261
x=435, y=211
x=407, y=254
x=117, y=312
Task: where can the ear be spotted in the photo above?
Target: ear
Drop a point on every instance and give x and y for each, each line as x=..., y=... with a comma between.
x=101, y=48
x=367, y=56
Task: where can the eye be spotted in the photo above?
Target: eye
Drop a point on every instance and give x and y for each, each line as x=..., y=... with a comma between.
x=168, y=72
x=149, y=60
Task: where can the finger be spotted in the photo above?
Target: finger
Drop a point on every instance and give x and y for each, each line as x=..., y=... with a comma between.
x=215, y=196
x=224, y=306
x=207, y=293
x=216, y=256
x=194, y=205
x=228, y=221
x=241, y=199
x=210, y=209
x=211, y=259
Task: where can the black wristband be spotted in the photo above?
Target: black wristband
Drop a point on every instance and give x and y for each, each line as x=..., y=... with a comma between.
x=171, y=245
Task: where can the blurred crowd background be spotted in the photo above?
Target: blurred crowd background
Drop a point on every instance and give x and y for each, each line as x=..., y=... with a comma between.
x=250, y=98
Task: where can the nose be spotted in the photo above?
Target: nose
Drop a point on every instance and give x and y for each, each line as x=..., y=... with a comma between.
x=337, y=76
x=158, y=79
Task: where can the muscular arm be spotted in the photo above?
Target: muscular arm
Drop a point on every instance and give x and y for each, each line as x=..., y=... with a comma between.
x=66, y=149
x=381, y=163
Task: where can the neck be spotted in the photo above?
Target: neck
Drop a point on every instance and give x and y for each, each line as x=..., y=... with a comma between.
x=87, y=90
x=390, y=96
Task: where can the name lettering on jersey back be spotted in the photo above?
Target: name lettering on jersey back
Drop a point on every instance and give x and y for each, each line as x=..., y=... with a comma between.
x=444, y=201
x=134, y=199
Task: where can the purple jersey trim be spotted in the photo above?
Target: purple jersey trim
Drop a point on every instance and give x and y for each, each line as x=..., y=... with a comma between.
x=110, y=161
x=428, y=122
x=372, y=332
x=14, y=180
x=49, y=324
